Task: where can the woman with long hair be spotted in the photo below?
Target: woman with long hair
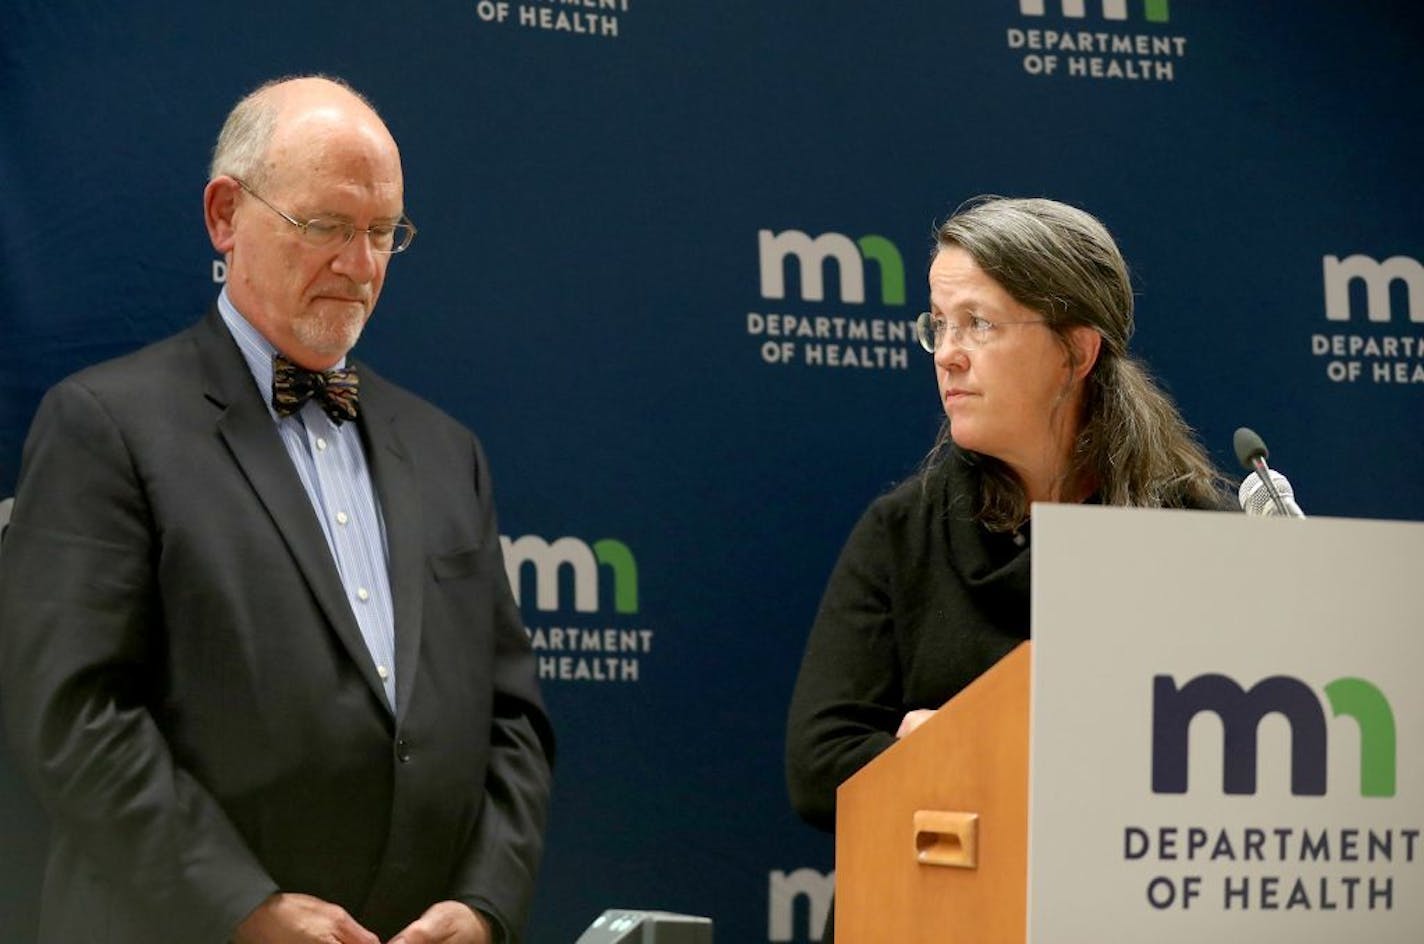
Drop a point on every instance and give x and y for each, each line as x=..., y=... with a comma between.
x=1031, y=310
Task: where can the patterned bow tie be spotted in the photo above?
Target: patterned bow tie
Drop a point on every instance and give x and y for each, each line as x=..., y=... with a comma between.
x=334, y=390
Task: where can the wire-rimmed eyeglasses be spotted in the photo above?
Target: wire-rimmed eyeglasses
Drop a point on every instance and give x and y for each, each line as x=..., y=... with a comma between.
x=969, y=335
x=324, y=233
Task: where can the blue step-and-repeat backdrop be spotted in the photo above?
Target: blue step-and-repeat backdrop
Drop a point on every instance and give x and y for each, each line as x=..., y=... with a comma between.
x=669, y=255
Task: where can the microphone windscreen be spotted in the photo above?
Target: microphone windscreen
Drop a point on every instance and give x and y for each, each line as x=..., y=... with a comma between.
x=1249, y=447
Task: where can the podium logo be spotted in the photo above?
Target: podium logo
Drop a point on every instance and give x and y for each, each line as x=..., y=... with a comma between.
x=1241, y=711
x=1378, y=279
x=811, y=255
x=1155, y=11
x=571, y=555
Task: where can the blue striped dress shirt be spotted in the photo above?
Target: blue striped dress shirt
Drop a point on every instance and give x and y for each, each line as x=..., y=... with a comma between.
x=331, y=463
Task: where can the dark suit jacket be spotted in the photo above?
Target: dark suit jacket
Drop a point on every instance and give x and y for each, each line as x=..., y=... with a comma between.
x=186, y=686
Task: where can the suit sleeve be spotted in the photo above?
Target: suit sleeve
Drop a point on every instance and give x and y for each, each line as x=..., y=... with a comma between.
x=81, y=669
x=847, y=702
x=496, y=875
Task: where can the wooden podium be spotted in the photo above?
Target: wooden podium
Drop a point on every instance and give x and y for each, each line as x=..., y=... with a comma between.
x=932, y=838
x=1178, y=757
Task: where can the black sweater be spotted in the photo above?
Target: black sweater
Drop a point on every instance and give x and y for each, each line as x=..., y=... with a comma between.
x=922, y=601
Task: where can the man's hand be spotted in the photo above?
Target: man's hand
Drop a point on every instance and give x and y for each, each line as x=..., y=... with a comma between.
x=447, y=922
x=286, y=918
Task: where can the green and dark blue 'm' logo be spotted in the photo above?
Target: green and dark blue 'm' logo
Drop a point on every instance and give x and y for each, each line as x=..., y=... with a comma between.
x=1241, y=711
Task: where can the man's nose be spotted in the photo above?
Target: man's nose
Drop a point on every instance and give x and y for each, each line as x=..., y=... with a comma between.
x=357, y=259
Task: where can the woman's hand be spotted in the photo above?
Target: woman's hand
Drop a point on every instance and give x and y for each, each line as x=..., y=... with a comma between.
x=913, y=720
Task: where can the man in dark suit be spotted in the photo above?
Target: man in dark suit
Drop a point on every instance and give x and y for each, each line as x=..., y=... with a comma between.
x=258, y=653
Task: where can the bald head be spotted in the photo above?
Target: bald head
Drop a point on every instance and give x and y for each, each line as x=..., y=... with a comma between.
x=294, y=153
x=262, y=128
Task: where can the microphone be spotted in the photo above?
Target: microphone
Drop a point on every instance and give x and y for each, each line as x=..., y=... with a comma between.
x=1264, y=492
x=1256, y=499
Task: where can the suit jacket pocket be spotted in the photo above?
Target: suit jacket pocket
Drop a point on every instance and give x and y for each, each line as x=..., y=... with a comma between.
x=456, y=564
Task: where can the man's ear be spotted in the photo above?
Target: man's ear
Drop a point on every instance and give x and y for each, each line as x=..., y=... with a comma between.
x=219, y=204
x=1086, y=343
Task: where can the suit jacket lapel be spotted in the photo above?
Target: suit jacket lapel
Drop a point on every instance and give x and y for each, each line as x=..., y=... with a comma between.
x=398, y=490
x=247, y=428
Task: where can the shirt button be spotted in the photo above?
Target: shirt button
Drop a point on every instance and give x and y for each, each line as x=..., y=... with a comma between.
x=383, y=672
x=363, y=594
x=341, y=517
x=320, y=443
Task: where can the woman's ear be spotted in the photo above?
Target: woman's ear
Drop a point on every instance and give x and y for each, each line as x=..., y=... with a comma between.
x=1086, y=344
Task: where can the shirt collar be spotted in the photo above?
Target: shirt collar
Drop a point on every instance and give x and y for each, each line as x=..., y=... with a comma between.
x=256, y=350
